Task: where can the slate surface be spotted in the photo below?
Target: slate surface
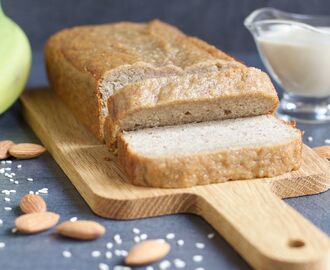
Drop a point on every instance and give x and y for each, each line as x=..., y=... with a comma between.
x=44, y=251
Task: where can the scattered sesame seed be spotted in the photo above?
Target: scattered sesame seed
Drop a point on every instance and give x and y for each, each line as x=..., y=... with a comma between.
x=13, y=174
x=109, y=245
x=121, y=252
x=9, y=162
x=327, y=141
x=13, y=230
x=1, y=221
x=149, y=268
x=117, y=239
x=29, y=179
x=108, y=254
x=2, y=170
x=2, y=244
x=199, y=268
x=165, y=265
x=19, y=166
x=103, y=266
x=143, y=236
x=37, y=193
x=200, y=245
x=73, y=219
x=11, y=180
x=3, y=162
x=197, y=258
x=136, y=231
x=31, y=192
x=12, y=191
x=170, y=236
x=210, y=235
x=66, y=253
x=180, y=242
x=178, y=263
x=137, y=239
x=7, y=169
x=7, y=199
x=16, y=182
x=7, y=208
x=96, y=253
x=121, y=267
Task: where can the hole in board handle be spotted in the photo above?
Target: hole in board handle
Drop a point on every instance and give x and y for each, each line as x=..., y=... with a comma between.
x=296, y=243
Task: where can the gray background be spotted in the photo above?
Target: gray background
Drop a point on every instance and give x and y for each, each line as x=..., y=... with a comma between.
x=217, y=21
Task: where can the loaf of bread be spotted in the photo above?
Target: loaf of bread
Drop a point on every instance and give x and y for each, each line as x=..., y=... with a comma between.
x=87, y=64
x=210, y=152
x=233, y=92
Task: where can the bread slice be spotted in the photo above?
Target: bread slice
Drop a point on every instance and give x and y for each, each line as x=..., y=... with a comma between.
x=87, y=64
x=229, y=93
x=210, y=152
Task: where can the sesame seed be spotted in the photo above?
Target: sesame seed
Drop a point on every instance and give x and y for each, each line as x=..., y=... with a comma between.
x=31, y=192
x=29, y=179
x=16, y=182
x=7, y=199
x=180, y=242
x=73, y=219
x=108, y=254
x=149, y=268
x=210, y=235
x=2, y=244
x=197, y=258
x=103, y=266
x=199, y=268
x=117, y=239
x=19, y=166
x=143, y=236
x=200, y=245
x=13, y=230
x=165, y=265
x=178, y=263
x=11, y=180
x=7, y=208
x=9, y=162
x=327, y=141
x=109, y=245
x=3, y=162
x=7, y=169
x=137, y=239
x=2, y=170
x=12, y=191
x=136, y=231
x=170, y=236
x=1, y=221
x=96, y=253
x=66, y=253
x=121, y=267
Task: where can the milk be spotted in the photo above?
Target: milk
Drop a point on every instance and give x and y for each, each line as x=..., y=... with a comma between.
x=298, y=58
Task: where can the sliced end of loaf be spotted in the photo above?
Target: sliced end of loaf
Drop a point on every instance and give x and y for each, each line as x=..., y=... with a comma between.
x=210, y=152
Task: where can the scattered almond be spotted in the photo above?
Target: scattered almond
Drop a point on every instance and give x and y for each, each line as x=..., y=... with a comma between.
x=32, y=203
x=36, y=222
x=4, y=148
x=323, y=151
x=147, y=252
x=81, y=229
x=26, y=150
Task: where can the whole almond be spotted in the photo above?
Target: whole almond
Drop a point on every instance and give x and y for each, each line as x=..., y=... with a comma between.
x=81, y=229
x=147, y=252
x=26, y=150
x=4, y=148
x=36, y=222
x=323, y=151
x=32, y=203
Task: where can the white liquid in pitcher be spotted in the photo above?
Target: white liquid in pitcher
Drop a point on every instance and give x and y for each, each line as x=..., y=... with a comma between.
x=299, y=59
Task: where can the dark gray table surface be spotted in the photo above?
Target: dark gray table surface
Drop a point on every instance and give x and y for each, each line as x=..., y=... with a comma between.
x=44, y=251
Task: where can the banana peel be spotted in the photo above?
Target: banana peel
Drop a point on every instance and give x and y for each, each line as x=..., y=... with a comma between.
x=15, y=61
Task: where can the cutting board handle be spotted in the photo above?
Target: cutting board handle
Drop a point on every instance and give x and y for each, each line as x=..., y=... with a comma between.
x=266, y=231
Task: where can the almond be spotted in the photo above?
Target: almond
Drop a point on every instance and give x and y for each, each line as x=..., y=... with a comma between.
x=32, y=203
x=4, y=148
x=81, y=229
x=323, y=151
x=26, y=150
x=36, y=222
x=147, y=252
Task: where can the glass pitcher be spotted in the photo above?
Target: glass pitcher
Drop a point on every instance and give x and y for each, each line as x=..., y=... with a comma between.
x=296, y=52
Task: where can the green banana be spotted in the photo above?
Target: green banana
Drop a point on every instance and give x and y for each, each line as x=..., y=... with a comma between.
x=15, y=61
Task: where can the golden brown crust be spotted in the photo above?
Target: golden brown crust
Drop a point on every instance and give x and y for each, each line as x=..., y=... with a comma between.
x=206, y=168
x=80, y=58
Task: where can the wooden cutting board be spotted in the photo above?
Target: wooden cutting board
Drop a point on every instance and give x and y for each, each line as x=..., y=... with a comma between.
x=249, y=214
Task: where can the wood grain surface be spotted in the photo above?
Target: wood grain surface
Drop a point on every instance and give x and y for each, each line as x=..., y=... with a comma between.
x=249, y=214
